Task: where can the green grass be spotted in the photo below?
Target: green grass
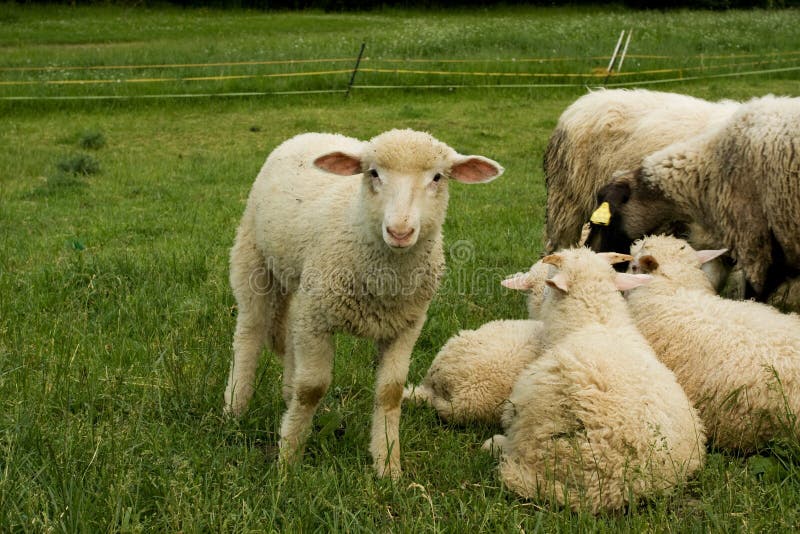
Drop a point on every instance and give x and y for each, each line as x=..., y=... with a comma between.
x=116, y=317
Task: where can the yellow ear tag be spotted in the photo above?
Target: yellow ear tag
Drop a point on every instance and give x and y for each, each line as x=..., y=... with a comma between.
x=602, y=215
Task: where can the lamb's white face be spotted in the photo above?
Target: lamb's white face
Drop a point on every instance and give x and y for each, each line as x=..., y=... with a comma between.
x=653, y=252
x=405, y=177
x=406, y=203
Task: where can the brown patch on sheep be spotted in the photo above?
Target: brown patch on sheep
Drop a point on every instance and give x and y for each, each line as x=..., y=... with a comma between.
x=648, y=264
x=390, y=396
x=310, y=396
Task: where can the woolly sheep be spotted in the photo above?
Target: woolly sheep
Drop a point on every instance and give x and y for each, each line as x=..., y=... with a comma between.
x=606, y=131
x=596, y=421
x=739, y=182
x=739, y=361
x=361, y=252
x=472, y=375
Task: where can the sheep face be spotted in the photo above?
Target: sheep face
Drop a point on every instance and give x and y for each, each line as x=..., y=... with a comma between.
x=637, y=208
x=405, y=179
x=673, y=258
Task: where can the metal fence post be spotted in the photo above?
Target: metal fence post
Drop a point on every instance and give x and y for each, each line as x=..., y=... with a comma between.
x=355, y=69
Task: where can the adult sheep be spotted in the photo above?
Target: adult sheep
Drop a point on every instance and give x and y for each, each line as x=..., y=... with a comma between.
x=609, y=130
x=738, y=361
x=341, y=235
x=739, y=182
x=596, y=421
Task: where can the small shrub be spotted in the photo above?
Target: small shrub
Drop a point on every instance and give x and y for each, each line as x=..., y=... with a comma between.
x=79, y=164
x=92, y=140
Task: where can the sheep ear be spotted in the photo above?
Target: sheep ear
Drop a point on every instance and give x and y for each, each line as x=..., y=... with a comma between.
x=615, y=257
x=553, y=259
x=475, y=170
x=626, y=281
x=339, y=163
x=616, y=193
x=519, y=281
x=559, y=281
x=706, y=256
x=648, y=263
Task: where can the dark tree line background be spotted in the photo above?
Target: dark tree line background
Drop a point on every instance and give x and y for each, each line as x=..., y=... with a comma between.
x=364, y=5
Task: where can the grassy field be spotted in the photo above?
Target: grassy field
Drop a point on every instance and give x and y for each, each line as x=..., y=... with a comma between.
x=115, y=222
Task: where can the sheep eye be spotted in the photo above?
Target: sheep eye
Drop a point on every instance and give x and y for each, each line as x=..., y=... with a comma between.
x=373, y=173
x=437, y=177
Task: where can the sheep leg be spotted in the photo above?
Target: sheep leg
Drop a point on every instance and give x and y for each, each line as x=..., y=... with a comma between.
x=282, y=345
x=287, y=386
x=395, y=357
x=250, y=281
x=313, y=365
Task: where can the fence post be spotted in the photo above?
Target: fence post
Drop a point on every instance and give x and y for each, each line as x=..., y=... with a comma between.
x=355, y=69
x=613, y=57
x=624, y=51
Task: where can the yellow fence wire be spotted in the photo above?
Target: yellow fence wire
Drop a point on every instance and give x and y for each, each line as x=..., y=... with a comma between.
x=571, y=79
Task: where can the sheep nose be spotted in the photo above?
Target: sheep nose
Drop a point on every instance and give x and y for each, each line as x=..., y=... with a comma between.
x=400, y=234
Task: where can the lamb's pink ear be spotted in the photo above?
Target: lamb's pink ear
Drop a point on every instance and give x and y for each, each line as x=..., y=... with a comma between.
x=519, y=281
x=339, y=163
x=615, y=257
x=475, y=170
x=625, y=281
x=707, y=255
x=559, y=281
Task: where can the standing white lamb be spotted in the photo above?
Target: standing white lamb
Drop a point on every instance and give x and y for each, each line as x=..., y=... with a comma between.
x=596, y=421
x=610, y=130
x=360, y=252
x=739, y=361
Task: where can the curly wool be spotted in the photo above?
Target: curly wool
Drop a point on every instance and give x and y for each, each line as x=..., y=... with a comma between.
x=610, y=130
x=739, y=182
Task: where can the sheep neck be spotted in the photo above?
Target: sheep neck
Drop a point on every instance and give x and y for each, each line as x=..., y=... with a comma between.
x=574, y=311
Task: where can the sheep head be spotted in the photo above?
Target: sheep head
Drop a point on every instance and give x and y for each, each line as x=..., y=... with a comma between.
x=672, y=258
x=405, y=175
x=581, y=267
x=630, y=206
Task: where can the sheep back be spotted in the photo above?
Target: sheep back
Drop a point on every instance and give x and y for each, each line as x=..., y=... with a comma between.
x=472, y=375
x=597, y=421
x=606, y=131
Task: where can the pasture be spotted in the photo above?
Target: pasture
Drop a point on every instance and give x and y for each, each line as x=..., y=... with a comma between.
x=116, y=217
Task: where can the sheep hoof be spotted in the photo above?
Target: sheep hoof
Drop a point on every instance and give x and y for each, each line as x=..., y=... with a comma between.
x=390, y=469
x=232, y=410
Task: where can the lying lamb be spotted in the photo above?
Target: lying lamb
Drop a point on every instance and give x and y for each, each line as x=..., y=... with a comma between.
x=596, y=421
x=739, y=361
x=472, y=376
x=360, y=252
